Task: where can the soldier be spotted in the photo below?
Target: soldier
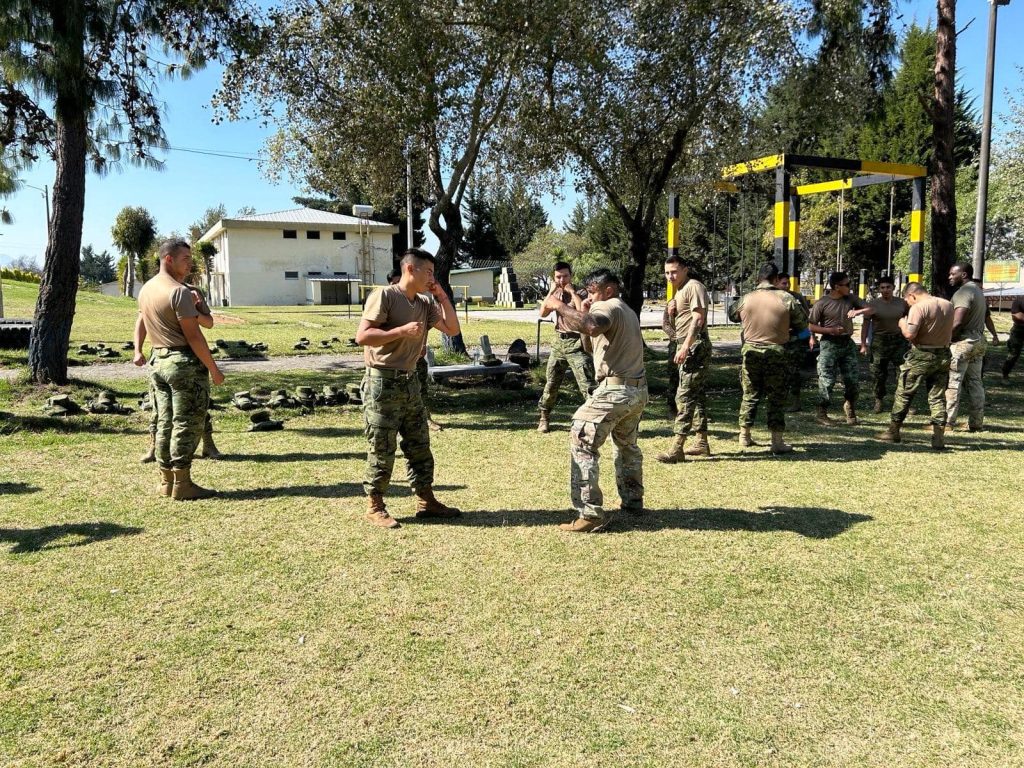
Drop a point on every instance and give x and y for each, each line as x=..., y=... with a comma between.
x=181, y=368
x=881, y=337
x=968, y=349
x=693, y=357
x=769, y=317
x=796, y=347
x=928, y=326
x=615, y=406
x=566, y=350
x=392, y=332
x=1015, y=342
x=668, y=325
x=831, y=317
x=422, y=369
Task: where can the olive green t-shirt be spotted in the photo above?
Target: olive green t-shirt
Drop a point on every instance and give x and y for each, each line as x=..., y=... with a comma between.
x=829, y=313
x=163, y=301
x=619, y=351
x=934, y=320
x=692, y=296
x=969, y=296
x=887, y=315
x=389, y=308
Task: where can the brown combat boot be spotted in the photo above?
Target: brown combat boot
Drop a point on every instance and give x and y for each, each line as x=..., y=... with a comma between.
x=892, y=434
x=938, y=437
x=150, y=456
x=432, y=425
x=746, y=441
x=821, y=416
x=583, y=525
x=676, y=453
x=851, y=413
x=879, y=406
x=209, y=447
x=778, y=444
x=427, y=505
x=700, y=447
x=185, y=490
x=543, y=424
x=166, y=481
x=377, y=513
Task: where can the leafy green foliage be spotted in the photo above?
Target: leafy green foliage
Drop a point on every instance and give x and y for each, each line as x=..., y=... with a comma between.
x=97, y=267
x=133, y=234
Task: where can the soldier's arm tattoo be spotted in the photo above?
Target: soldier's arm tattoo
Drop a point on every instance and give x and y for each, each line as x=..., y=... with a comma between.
x=591, y=325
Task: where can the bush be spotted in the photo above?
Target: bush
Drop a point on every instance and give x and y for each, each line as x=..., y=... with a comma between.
x=20, y=275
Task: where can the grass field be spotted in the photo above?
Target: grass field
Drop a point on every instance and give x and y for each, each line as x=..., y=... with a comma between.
x=855, y=604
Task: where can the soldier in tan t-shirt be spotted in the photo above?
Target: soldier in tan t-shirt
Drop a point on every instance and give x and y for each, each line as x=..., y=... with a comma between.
x=613, y=408
x=392, y=331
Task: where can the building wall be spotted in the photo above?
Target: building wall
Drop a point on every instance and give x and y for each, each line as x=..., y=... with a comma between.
x=480, y=282
x=254, y=263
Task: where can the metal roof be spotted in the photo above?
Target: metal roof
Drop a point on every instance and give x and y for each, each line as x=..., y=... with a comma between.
x=299, y=217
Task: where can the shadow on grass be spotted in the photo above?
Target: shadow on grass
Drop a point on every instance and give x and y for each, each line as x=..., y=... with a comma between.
x=812, y=522
x=328, y=431
x=50, y=537
x=17, y=488
x=325, y=491
x=10, y=423
x=286, y=457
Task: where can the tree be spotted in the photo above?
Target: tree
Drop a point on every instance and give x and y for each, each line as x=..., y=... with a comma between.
x=942, y=111
x=97, y=267
x=517, y=216
x=534, y=265
x=203, y=252
x=480, y=239
x=133, y=233
x=77, y=84
x=202, y=225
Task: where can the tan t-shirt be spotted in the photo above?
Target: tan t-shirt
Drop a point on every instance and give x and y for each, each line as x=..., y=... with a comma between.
x=560, y=326
x=934, y=320
x=692, y=296
x=163, y=301
x=388, y=308
x=619, y=351
x=765, y=314
x=887, y=315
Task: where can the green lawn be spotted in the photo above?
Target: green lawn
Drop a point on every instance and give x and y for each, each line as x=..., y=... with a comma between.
x=856, y=604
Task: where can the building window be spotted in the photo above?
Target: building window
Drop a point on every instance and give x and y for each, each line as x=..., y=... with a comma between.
x=290, y=234
x=314, y=274
x=291, y=275
x=341, y=274
x=312, y=234
x=339, y=235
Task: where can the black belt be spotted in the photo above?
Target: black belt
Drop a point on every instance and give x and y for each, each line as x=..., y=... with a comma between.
x=931, y=349
x=568, y=335
x=837, y=339
x=388, y=373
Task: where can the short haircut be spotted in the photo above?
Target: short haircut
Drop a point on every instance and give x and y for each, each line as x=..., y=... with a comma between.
x=782, y=276
x=394, y=274
x=170, y=247
x=412, y=255
x=966, y=267
x=768, y=272
x=673, y=259
x=914, y=288
x=601, y=277
x=837, y=277
x=887, y=280
x=559, y=265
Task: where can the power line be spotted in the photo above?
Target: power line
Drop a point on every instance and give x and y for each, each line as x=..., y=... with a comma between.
x=210, y=152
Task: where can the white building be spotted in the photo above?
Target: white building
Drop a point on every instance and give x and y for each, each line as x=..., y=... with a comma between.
x=115, y=289
x=476, y=283
x=302, y=256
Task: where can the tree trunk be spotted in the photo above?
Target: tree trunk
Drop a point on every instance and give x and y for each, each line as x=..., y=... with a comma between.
x=943, y=180
x=55, y=307
x=633, y=271
x=129, y=278
x=449, y=240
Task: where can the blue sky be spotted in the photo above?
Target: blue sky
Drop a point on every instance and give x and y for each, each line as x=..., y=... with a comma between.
x=190, y=182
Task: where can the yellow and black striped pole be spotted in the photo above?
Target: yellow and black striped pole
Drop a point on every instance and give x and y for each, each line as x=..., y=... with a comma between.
x=673, y=237
x=819, y=284
x=862, y=287
x=917, y=231
x=781, y=216
x=794, y=242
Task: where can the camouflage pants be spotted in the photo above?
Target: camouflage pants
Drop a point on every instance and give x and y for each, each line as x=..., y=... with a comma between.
x=691, y=396
x=929, y=367
x=423, y=376
x=392, y=408
x=965, y=376
x=179, y=387
x=796, y=354
x=613, y=409
x=887, y=353
x=1014, y=345
x=565, y=354
x=763, y=376
x=673, y=373
x=837, y=360
x=207, y=427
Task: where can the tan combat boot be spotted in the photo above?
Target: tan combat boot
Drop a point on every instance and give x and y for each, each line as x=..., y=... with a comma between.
x=427, y=505
x=821, y=416
x=185, y=490
x=166, y=481
x=746, y=441
x=432, y=425
x=700, y=447
x=675, y=453
x=851, y=413
x=938, y=437
x=778, y=444
x=583, y=525
x=209, y=447
x=150, y=456
x=543, y=424
x=892, y=434
x=377, y=513
x=879, y=406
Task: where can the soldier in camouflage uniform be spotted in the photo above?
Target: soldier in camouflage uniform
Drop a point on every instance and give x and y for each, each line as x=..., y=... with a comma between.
x=796, y=346
x=929, y=327
x=181, y=368
x=769, y=316
x=615, y=406
x=392, y=332
x=1015, y=342
x=422, y=368
x=566, y=349
x=882, y=338
x=668, y=325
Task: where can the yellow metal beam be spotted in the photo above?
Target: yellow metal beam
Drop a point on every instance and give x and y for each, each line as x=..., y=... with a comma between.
x=769, y=163
x=916, y=226
x=824, y=186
